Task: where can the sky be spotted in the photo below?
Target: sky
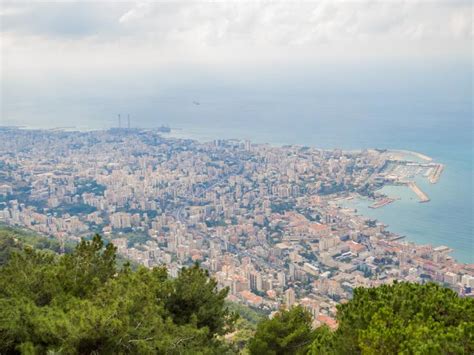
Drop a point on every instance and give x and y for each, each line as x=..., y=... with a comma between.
x=96, y=48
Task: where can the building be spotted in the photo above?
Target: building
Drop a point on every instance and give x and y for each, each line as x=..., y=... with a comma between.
x=290, y=298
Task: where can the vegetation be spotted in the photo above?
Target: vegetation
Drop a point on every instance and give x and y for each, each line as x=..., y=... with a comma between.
x=403, y=318
x=245, y=325
x=134, y=238
x=250, y=315
x=83, y=303
x=14, y=239
x=282, y=207
x=80, y=303
x=288, y=332
x=76, y=208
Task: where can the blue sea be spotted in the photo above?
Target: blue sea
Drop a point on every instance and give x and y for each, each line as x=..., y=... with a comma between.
x=437, y=125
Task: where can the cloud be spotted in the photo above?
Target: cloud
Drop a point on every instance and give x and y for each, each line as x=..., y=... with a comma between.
x=138, y=12
x=295, y=22
x=279, y=22
x=224, y=35
x=59, y=20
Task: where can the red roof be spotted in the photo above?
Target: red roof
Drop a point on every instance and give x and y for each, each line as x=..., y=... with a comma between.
x=330, y=322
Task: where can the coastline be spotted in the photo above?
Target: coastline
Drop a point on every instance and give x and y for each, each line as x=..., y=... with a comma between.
x=405, y=217
x=183, y=134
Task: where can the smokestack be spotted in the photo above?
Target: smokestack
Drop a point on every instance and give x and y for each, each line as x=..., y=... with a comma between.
x=128, y=121
x=119, y=121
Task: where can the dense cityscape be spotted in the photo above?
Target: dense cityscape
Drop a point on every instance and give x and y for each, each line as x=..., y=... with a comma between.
x=268, y=222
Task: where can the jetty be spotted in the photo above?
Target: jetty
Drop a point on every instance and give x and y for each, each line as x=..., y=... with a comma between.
x=435, y=173
x=396, y=237
x=423, y=197
x=421, y=156
x=412, y=153
x=382, y=202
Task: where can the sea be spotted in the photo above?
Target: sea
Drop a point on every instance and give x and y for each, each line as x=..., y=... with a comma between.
x=440, y=127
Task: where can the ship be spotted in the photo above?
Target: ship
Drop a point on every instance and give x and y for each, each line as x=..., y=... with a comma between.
x=164, y=129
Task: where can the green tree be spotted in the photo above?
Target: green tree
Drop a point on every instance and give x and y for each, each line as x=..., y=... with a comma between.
x=288, y=332
x=324, y=342
x=82, y=303
x=14, y=239
x=89, y=266
x=195, y=298
x=8, y=245
x=403, y=318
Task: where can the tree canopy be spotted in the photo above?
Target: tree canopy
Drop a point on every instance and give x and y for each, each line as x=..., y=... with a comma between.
x=403, y=318
x=81, y=303
x=15, y=239
x=288, y=332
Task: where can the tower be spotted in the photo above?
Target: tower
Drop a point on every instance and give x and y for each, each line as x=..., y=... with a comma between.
x=128, y=121
x=290, y=298
x=119, y=121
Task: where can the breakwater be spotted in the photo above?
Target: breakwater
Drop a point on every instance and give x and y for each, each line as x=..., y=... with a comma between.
x=423, y=197
x=435, y=173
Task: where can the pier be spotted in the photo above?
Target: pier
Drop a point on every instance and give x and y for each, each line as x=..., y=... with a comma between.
x=382, y=202
x=436, y=173
x=396, y=237
x=421, y=195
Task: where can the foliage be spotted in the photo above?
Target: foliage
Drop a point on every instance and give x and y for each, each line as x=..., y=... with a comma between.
x=250, y=315
x=239, y=339
x=90, y=186
x=282, y=207
x=81, y=303
x=288, y=332
x=245, y=325
x=401, y=318
x=75, y=209
x=194, y=298
x=8, y=245
x=14, y=239
x=134, y=238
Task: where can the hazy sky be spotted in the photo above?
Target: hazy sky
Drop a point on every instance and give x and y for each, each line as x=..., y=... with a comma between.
x=89, y=47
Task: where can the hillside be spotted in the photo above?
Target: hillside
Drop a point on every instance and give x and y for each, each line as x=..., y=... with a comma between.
x=14, y=239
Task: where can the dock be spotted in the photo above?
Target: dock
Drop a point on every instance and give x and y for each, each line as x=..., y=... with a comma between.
x=382, y=202
x=421, y=195
x=395, y=238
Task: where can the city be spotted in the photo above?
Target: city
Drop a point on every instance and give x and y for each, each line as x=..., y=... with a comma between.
x=266, y=221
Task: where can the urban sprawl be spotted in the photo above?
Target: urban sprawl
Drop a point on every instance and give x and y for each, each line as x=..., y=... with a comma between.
x=268, y=222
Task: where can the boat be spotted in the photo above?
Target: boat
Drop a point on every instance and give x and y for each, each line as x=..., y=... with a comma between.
x=164, y=129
